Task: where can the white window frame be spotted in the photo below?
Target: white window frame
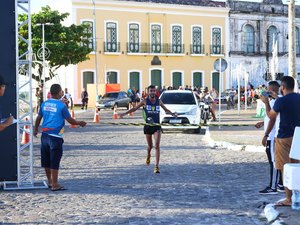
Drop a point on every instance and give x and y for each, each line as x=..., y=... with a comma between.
x=192, y=77
x=171, y=35
x=222, y=74
x=202, y=41
x=162, y=75
x=94, y=34
x=211, y=33
x=105, y=40
x=81, y=76
x=161, y=38
x=182, y=76
x=128, y=33
x=140, y=78
x=112, y=70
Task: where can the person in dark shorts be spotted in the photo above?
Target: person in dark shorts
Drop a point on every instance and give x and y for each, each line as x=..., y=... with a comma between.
x=152, y=107
x=54, y=113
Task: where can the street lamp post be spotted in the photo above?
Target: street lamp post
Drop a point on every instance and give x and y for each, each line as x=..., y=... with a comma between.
x=44, y=57
x=292, y=42
x=96, y=51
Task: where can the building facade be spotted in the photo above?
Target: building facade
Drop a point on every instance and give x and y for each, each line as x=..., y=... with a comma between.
x=256, y=29
x=141, y=43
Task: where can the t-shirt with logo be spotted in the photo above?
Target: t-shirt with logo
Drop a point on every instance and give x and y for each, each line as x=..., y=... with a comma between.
x=54, y=113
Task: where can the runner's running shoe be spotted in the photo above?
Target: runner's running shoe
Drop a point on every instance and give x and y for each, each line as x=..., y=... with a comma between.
x=148, y=159
x=156, y=169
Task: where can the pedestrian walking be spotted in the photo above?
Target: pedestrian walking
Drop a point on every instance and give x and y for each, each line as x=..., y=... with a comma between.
x=54, y=113
x=4, y=122
x=84, y=99
x=152, y=107
x=289, y=108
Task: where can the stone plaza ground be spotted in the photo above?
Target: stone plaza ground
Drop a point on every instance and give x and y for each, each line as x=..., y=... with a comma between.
x=108, y=182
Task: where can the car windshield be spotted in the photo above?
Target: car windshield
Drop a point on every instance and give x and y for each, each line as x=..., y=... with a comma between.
x=110, y=95
x=178, y=98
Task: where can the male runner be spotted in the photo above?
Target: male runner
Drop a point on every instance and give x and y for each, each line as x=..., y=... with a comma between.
x=152, y=108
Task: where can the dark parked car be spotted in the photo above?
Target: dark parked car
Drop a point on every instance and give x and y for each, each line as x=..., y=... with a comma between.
x=113, y=100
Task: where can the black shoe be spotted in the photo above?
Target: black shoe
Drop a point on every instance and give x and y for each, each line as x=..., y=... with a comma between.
x=268, y=191
x=280, y=188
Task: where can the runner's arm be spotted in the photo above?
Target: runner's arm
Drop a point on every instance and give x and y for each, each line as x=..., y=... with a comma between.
x=142, y=103
x=166, y=110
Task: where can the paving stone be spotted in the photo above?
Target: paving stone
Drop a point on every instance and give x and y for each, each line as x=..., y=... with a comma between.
x=104, y=169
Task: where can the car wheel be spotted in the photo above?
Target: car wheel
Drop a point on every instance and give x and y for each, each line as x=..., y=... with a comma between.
x=127, y=106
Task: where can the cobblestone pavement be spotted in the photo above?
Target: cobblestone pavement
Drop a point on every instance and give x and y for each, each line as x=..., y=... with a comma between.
x=104, y=169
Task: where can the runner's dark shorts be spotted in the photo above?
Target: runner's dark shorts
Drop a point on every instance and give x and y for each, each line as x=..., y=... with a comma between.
x=51, y=151
x=151, y=129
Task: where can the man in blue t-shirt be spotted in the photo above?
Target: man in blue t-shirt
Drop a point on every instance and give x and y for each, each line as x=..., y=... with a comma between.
x=54, y=113
x=289, y=108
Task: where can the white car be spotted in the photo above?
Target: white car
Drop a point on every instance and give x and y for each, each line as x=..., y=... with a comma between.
x=185, y=104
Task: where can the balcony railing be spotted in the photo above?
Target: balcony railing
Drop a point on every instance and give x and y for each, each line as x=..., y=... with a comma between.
x=217, y=49
x=155, y=48
x=111, y=46
x=197, y=49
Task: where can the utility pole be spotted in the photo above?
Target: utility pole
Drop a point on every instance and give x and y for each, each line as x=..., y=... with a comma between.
x=292, y=40
x=96, y=51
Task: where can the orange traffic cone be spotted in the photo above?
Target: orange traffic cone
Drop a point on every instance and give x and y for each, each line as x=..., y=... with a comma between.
x=115, y=116
x=96, y=116
x=73, y=116
x=25, y=136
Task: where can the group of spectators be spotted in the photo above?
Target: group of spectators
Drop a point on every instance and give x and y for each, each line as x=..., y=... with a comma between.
x=283, y=116
x=39, y=94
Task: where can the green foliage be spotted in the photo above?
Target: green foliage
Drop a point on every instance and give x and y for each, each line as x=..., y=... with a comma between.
x=68, y=45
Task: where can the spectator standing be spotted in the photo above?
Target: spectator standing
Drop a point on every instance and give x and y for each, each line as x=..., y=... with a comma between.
x=54, y=113
x=289, y=108
x=275, y=183
x=69, y=98
x=84, y=99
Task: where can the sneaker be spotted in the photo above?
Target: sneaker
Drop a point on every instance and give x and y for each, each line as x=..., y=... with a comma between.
x=156, y=169
x=268, y=191
x=280, y=188
x=148, y=159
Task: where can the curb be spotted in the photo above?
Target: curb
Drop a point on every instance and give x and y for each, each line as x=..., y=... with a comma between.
x=231, y=146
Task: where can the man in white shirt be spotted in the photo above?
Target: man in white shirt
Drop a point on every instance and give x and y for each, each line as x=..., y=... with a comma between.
x=68, y=97
x=268, y=141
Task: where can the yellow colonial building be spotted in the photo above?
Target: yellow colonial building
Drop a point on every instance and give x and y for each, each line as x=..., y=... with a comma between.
x=138, y=43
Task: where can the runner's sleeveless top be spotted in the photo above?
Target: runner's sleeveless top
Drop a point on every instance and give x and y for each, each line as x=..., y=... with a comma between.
x=152, y=111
